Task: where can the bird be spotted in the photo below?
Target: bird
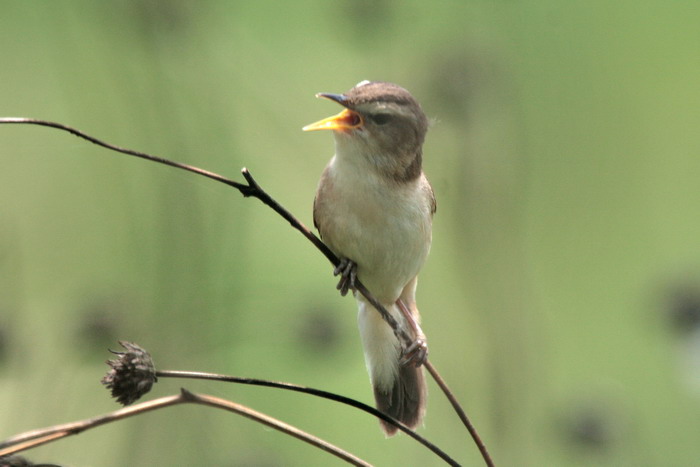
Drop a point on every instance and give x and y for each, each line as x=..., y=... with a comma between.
x=374, y=208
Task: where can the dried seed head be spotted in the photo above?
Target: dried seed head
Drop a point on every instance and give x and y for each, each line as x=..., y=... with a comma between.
x=132, y=374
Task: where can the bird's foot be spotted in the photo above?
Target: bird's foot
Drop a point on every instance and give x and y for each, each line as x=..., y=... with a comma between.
x=415, y=354
x=347, y=270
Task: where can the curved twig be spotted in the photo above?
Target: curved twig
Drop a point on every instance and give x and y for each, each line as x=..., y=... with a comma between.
x=314, y=392
x=460, y=413
x=36, y=438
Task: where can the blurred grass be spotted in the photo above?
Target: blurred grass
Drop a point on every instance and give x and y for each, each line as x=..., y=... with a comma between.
x=565, y=160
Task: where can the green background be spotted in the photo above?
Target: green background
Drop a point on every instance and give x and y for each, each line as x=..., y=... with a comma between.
x=561, y=296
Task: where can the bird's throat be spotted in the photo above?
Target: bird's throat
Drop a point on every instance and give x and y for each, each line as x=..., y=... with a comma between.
x=353, y=153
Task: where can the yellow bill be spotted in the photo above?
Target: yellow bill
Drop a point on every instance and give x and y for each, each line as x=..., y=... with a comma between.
x=345, y=120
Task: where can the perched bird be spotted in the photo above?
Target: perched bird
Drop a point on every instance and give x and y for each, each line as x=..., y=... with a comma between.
x=374, y=209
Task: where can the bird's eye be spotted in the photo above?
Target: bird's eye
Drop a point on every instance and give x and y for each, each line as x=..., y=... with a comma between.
x=380, y=119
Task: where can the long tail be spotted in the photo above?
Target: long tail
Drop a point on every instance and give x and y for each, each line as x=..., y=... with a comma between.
x=405, y=401
x=399, y=391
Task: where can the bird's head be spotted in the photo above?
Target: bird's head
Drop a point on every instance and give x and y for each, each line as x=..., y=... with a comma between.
x=381, y=122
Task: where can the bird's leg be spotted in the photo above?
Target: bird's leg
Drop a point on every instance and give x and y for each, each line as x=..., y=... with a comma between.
x=417, y=352
x=347, y=270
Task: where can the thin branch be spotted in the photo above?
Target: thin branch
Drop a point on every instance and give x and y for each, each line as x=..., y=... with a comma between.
x=244, y=189
x=35, y=438
x=253, y=189
x=314, y=392
x=460, y=413
x=277, y=425
x=38, y=437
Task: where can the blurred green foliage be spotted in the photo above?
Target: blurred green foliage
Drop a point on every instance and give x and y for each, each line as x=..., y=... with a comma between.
x=561, y=299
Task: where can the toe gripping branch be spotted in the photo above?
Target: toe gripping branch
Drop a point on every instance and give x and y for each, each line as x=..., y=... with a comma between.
x=417, y=352
x=347, y=270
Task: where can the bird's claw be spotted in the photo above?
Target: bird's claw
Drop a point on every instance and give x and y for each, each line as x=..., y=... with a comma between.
x=347, y=270
x=415, y=354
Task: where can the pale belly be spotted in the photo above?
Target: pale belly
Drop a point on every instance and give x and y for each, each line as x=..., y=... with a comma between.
x=386, y=232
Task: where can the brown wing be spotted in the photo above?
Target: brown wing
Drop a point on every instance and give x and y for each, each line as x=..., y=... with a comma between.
x=321, y=192
x=430, y=194
x=316, y=218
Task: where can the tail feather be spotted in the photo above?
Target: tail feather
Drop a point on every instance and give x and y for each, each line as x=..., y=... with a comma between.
x=399, y=390
x=405, y=401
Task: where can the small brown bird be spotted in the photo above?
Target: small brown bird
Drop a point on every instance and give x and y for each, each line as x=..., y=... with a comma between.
x=374, y=209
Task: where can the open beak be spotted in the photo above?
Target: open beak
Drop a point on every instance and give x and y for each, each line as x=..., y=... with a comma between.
x=345, y=120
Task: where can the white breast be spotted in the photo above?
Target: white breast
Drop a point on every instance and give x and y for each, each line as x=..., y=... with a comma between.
x=384, y=226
